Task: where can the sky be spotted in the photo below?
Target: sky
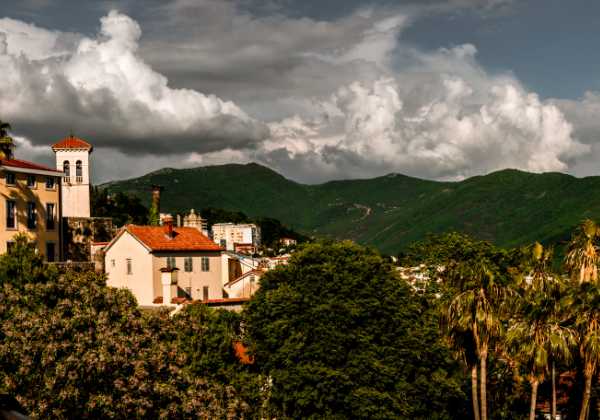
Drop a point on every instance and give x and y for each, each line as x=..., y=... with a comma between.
x=316, y=90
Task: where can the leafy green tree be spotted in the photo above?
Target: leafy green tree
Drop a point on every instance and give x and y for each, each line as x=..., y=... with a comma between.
x=340, y=335
x=123, y=208
x=23, y=264
x=70, y=347
x=209, y=339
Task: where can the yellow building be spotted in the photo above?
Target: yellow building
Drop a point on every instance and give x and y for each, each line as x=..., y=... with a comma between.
x=30, y=205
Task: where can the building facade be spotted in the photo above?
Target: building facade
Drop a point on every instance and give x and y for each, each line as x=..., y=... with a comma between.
x=31, y=206
x=228, y=235
x=140, y=257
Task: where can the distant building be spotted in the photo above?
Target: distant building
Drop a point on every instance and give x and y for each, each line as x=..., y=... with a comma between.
x=164, y=264
x=229, y=234
x=196, y=221
x=245, y=285
x=288, y=241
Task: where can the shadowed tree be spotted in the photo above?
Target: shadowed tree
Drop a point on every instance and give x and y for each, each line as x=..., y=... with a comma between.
x=537, y=335
x=582, y=256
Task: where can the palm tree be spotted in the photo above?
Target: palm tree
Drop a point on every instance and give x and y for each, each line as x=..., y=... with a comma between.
x=537, y=335
x=6, y=141
x=477, y=309
x=582, y=255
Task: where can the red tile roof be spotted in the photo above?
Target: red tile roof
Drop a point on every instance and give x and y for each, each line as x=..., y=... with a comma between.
x=72, y=143
x=23, y=164
x=185, y=239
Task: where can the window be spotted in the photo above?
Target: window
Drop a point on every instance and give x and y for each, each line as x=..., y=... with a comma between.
x=223, y=243
x=129, y=268
x=205, y=293
x=66, y=169
x=50, y=251
x=50, y=182
x=11, y=220
x=171, y=262
x=11, y=178
x=205, y=264
x=78, y=172
x=31, y=181
x=9, y=246
x=188, y=265
x=31, y=215
x=50, y=225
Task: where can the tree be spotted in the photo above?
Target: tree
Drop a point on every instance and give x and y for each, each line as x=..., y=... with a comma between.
x=475, y=278
x=537, y=336
x=209, y=338
x=70, y=347
x=7, y=144
x=584, y=304
x=340, y=335
x=582, y=258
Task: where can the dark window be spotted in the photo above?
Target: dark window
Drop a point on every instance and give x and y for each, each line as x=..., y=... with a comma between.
x=50, y=251
x=171, y=262
x=188, y=264
x=11, y=220
x=223, y=243
x=31, y=215
x=50, y=217
x=205, y=293
x=9, y=246
x=31, y=181
x=66, y=168
x=11, y=179
x=205, y=264
x=50, y=182
x=78, y=170
x=129, y=267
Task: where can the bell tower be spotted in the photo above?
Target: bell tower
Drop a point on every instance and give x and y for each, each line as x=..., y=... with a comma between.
x=73, y=158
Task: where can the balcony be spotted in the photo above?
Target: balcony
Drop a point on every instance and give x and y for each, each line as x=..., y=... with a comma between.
x=66, y=179
x=79, y=180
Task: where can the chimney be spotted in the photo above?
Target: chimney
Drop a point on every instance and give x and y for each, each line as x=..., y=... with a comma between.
x=156, y=190
x=168, y=224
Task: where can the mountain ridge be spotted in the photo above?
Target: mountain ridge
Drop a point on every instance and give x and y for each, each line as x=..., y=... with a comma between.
x=509, y=207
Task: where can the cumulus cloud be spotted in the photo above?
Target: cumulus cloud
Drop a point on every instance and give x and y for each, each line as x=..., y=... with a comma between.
x=314, y=99
x=446, y=138
x=101, y=86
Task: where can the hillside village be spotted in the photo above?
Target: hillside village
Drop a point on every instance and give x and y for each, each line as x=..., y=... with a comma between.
x=171, y=262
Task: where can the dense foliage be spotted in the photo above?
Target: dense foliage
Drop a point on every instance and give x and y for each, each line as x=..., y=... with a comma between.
x=123, y=208
x=341, y=336
x=72, y=348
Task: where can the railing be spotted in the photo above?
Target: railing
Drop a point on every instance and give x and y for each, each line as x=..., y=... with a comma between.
x=67, y=179
x=78, y=179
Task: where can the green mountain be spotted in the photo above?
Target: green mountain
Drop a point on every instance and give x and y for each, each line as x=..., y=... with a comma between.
x=508, y=207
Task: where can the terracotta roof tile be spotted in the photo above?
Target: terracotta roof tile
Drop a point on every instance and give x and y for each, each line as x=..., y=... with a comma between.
x=72, y=143
x=17, y=163
x=185, y=239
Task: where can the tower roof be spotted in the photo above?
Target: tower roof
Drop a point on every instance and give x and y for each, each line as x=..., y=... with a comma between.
x=72, y=142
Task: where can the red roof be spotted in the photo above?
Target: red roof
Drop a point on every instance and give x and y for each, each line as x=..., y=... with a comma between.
x=184, y=239
x=23, y=164
x=72, y=143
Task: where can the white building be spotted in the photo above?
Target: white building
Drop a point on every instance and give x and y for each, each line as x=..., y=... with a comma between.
x=73, y=159
x=228, y=235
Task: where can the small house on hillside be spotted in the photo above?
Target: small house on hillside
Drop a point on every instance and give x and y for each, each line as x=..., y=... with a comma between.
x=139, y=256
